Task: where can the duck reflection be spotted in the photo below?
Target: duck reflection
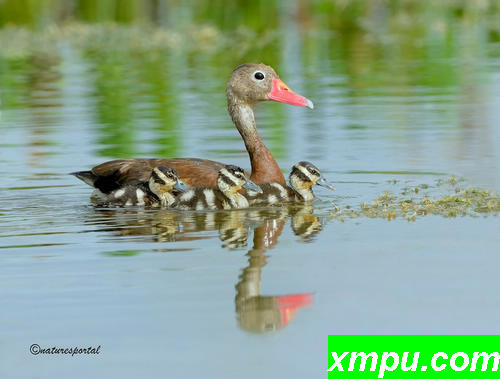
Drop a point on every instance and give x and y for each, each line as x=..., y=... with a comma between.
x=258, y=313
x=305, y=223
x=255, y=312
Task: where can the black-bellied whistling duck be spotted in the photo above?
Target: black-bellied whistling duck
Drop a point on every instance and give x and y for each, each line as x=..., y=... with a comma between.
x=158, y=191
x=249, y=84
x=303, y=176
x=229, y=181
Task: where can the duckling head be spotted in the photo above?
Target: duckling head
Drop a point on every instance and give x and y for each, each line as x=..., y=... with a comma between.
x=164, y=180
x=304, y=175
x=232, y=178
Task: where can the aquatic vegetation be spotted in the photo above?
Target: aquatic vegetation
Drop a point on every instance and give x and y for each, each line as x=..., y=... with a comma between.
x=122, y=253
x=145, y=25
x=19, y=42
x=413, y=204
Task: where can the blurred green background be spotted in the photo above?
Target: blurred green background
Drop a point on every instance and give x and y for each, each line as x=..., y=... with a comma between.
x=133, y=51
x=257, y=15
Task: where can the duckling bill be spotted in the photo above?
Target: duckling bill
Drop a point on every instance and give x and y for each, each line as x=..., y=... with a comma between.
x=230, y=180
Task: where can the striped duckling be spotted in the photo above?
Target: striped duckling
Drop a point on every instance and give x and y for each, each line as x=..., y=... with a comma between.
x=303, y=177
x=230, y=180
x=160, y=190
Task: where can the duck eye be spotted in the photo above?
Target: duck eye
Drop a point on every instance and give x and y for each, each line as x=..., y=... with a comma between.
x=170, y=176
x=259, y=75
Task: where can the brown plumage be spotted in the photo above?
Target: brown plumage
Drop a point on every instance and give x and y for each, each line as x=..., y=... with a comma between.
x=112, y=175
x=249, y=84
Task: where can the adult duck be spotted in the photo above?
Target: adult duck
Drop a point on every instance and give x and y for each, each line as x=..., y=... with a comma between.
x=249, y=84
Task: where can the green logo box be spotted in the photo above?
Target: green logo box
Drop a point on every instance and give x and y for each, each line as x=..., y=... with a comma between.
x=413, y=356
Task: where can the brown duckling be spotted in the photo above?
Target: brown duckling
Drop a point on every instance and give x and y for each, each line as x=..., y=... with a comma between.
x=160, y=190
x=303, y=177
x=229, y=181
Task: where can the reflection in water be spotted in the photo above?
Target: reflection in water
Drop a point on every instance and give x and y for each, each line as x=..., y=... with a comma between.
x=43, y=101
x=233, y=226
x=256, y=313
x=305, y=224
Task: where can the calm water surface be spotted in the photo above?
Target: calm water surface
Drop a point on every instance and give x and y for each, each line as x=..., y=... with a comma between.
x=244, y=293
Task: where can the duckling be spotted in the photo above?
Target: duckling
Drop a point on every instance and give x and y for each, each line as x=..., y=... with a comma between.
x=303, y=176
x=158, y=191
x=230, y=180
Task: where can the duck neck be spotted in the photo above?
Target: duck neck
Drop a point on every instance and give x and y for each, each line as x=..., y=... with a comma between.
x=235, y=199
x=264, y=166
x=304, y=192
x=166, y=198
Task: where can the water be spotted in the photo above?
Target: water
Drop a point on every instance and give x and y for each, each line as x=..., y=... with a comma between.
x=250, y=292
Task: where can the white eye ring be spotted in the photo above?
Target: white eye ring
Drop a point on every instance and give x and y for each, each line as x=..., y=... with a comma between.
x=261, y=77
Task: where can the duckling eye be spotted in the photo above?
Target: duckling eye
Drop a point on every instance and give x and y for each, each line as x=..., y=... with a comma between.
x=170, y=176
x=259, y=75
x=314, y=172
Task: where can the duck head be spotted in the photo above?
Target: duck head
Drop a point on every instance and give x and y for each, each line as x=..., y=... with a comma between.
x=304, y=175
x=164, y=180
x=251, y=83
x=232, y=178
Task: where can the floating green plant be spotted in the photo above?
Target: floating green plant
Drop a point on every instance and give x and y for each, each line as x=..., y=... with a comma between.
x=462, y=202
x=122, y=253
